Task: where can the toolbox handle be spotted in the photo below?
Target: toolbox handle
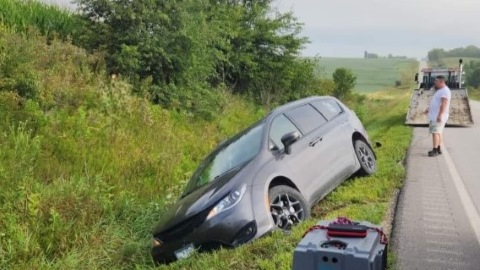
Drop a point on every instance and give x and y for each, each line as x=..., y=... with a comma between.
x=337, y=243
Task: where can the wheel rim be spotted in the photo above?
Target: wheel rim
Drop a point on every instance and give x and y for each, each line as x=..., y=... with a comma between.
x=366, y=157
x=286, y=211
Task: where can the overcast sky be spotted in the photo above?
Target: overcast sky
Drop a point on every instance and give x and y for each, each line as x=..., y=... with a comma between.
x=346, y=28
x=402, y=27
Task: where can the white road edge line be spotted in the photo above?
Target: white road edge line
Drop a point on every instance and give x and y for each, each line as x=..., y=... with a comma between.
x=465, y=198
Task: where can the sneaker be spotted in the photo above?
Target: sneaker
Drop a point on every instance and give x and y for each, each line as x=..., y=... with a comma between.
x=439, y=151
x=433, y=153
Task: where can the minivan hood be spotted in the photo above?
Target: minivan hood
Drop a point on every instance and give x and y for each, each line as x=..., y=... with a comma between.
x=200, y=200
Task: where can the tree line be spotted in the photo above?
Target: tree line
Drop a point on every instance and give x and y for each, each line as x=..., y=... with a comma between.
x=469, y=51
x=182, y=53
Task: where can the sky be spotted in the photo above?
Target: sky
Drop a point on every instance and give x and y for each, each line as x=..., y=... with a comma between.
x=348, y=28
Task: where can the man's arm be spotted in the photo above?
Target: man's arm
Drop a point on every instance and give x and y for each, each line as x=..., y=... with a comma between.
x=443, y=108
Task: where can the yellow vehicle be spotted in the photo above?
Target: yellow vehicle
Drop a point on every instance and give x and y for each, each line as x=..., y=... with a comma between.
x=460, y=113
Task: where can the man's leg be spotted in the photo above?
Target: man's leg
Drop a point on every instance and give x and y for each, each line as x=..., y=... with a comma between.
x=440, y=128
x=436, y=140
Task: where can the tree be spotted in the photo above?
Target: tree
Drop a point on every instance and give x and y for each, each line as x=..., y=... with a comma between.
x=200, y=45
x=472, y=70
x=344, y=80
x=141, y=38
x=258, y=50
x=436, y=54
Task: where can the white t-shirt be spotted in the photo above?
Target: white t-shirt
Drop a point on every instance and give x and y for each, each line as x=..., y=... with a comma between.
x=436, y=102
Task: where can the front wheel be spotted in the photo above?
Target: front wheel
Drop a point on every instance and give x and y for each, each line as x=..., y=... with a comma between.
x=287, y=207
x=365, y=156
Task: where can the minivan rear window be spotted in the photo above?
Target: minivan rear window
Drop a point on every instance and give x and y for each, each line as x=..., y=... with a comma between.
x=328, y=107
x=306, y=117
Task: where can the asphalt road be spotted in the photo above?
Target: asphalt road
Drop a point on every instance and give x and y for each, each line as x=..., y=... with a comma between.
x=463, y=144
x=437, y=222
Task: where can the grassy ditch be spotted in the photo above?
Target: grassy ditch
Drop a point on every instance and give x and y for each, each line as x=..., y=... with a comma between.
x=83, y=189
x=86, y=167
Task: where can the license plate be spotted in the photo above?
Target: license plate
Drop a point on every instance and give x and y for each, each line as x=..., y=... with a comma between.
x=185, y=252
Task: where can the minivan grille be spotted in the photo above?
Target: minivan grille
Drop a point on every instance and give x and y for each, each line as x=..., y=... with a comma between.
x=183, y=228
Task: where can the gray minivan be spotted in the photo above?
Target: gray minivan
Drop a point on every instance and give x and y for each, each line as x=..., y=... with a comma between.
x=266, y=177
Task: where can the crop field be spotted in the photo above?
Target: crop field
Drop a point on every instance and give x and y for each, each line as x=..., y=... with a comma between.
x=372, y=74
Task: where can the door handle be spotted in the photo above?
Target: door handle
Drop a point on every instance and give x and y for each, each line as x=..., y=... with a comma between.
x=315, y=141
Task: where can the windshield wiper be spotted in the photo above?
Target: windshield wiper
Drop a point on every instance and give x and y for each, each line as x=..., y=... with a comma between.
x=228, y=171
x=233, y=168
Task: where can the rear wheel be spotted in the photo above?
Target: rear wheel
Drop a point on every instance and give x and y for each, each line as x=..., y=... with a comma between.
x=287, y=207
x=365, y=156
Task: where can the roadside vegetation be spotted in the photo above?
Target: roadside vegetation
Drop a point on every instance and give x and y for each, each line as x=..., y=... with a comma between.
x=90, y=157
x=474, y=93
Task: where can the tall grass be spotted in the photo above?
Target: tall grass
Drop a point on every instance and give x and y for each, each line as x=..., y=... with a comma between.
x=22, y=15
x=86, y=168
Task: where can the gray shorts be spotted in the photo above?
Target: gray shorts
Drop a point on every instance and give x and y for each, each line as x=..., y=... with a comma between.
x=435, y=127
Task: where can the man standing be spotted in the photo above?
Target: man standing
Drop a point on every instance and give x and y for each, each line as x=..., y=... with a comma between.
x=438, y=113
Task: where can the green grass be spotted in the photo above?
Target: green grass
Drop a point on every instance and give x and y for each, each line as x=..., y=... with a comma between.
x=372, y=74
x=474, y=94
x=86, y=168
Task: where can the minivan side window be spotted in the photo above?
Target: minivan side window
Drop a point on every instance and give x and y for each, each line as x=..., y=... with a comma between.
x=328, y=107
x=280, y=126
x=306, y=117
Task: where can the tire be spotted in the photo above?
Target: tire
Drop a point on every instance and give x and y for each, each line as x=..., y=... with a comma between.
x=287, y=207
x=366, y=158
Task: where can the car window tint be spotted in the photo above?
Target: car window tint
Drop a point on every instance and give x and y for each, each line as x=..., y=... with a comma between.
x=328, y=107
x=307, y=117
x=281, y=126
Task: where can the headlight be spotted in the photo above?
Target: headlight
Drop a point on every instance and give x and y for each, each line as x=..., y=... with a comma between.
x=232, y=199
x=156, y=242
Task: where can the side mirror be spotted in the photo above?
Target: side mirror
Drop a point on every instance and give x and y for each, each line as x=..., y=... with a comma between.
x=416, y=77
x=289, y=139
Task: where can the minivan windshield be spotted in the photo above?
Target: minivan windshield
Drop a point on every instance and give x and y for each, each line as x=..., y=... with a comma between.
x=228, y=157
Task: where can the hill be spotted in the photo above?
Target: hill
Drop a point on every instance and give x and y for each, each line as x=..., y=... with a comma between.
x=372, y=74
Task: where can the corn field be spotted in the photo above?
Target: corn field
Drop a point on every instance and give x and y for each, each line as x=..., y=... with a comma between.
x=20, y=15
